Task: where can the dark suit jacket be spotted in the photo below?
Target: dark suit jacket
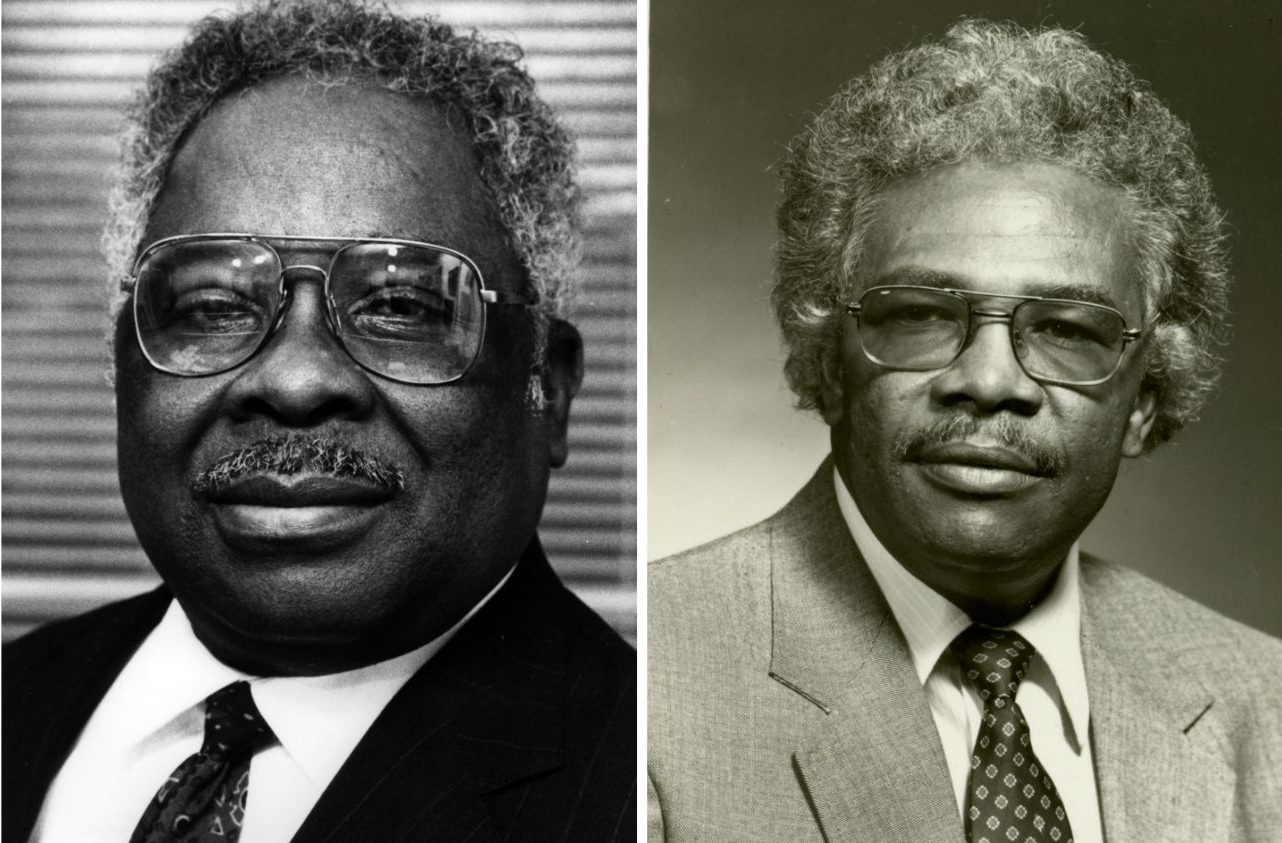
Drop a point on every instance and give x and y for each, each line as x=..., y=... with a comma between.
x=523, y=727
x=784, y=704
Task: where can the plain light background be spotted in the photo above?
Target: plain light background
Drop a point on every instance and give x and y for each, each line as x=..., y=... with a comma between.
x=732, y=82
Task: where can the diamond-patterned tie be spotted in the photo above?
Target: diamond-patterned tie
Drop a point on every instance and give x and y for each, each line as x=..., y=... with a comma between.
x=204, y=798
x=1009, y=798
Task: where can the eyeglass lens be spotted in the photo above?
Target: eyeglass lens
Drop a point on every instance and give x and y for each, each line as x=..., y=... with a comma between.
x=923, y=329
x=411, y=313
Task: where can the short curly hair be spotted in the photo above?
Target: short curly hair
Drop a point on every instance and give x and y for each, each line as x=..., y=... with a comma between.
x=999, y=92
x=526, y=157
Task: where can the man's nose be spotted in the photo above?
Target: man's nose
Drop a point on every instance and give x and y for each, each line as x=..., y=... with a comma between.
x=302, y=377
x=987, y=375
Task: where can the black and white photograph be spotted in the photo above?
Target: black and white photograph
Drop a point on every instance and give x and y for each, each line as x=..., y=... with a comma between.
x=319, y=420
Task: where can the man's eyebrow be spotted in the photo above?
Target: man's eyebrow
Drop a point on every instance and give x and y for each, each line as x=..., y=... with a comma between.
x=919, y=277
x=375, y=234
x=418, y=237
x=1076, y=292
x=336, y=240
x=915, y=276
x=382, y=234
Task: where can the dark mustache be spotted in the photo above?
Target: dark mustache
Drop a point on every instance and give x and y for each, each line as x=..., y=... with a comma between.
x=294, y=454
x=1003, y=430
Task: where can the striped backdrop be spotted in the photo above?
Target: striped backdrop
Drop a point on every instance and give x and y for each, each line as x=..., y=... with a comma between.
x=68, y=69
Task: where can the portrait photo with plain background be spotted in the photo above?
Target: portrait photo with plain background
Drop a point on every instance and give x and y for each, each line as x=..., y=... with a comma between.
x=69, y=69
x=733, y=82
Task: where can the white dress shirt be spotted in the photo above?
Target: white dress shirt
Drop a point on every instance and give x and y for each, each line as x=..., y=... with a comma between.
x=152, y=719
x=1052, y=696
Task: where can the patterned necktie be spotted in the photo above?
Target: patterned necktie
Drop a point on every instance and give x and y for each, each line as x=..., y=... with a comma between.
x=1009, y=798
x=204, y=799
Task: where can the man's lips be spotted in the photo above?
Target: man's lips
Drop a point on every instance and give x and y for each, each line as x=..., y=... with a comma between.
x=981, y=456
x=264, y=513
x=979, y=469
x=299, y=490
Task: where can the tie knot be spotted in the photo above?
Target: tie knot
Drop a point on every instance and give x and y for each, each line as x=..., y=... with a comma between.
x=233, y=726
x=994, y=660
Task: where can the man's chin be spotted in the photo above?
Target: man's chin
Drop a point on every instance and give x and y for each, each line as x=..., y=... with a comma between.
x=300, y=628
x=972, y=534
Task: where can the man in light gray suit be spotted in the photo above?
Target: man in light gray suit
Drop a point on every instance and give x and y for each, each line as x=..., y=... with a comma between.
x=1000, y=271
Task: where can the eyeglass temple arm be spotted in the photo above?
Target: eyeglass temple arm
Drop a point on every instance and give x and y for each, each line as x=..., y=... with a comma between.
x=502, y=297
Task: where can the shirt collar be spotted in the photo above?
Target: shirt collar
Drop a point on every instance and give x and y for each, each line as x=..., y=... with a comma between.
x=930, y=621
x=318, y=720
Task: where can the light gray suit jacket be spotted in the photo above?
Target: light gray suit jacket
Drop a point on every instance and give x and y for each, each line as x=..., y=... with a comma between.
x=784, y=706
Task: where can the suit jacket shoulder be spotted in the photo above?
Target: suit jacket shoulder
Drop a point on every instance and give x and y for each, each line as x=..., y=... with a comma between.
x=713, y=594
x=709, y=639
x=724, y=591
x=783, y=705
x=1187, y=696
x=53, y=680
x=1179, y=640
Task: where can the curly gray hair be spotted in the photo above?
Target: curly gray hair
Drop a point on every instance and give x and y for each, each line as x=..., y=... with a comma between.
x=998, y=92
x=526, y=157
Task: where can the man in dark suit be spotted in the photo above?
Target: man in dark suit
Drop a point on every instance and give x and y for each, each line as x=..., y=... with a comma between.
x=1000, y=271
x=342, y=376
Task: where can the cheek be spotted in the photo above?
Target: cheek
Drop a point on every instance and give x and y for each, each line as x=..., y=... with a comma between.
x=1090, y=425
x=477, y=468
x=1089, y=436
x=159, y=416
x=475, y=436
x=882, y=404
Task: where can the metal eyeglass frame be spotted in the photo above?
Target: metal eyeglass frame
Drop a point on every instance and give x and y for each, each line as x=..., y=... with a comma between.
x=1129, y=335
x=129, y=285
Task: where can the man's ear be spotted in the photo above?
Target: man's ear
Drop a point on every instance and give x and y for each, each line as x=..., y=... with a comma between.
x=1139, y=423
x=562, y=375
x=832, y=391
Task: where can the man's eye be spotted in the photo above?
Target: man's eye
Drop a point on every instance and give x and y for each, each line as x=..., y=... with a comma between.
x=400, y=309
x=1066, y=333
x=396, y=304
x=918, y=315
x=215, y=310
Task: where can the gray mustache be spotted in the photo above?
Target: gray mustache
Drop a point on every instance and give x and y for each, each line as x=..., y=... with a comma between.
x=1003, y=430
x=294, y=454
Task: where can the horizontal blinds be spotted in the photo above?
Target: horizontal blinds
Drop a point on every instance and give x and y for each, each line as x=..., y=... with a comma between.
x=68, y=70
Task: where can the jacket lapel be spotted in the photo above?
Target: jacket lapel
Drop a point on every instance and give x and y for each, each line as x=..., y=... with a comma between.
x=1157, y=746
x=445, y=758
x=874, y=769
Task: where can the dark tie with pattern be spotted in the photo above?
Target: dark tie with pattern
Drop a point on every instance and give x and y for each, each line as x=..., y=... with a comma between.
x=1009, y=798
x=204, y=799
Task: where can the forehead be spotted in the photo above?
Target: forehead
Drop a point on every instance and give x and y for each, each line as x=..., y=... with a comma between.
x=1008, y=228
x=292, y=156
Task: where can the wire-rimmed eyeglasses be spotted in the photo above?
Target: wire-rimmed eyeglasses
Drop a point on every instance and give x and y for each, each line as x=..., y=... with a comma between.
x=409, y=311
x=1057, y=341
